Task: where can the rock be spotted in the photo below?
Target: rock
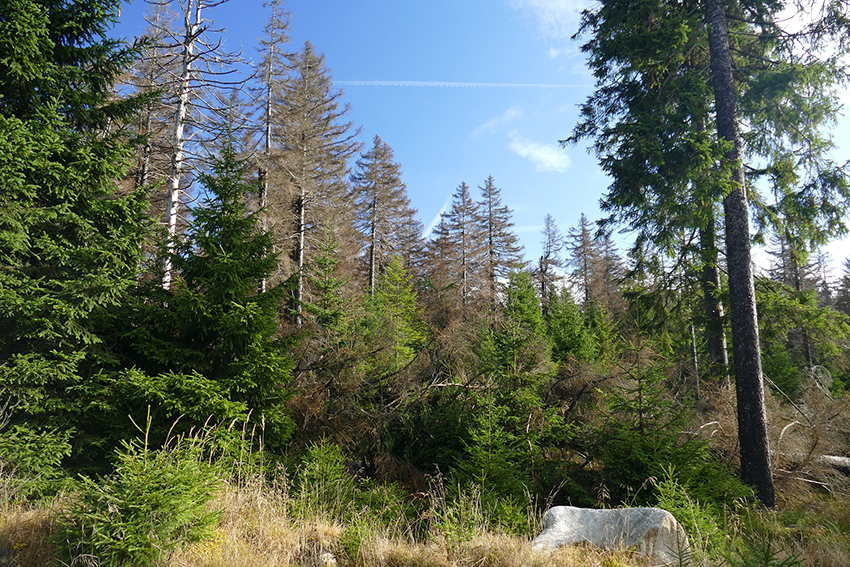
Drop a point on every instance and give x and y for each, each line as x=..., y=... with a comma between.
x=651, y=532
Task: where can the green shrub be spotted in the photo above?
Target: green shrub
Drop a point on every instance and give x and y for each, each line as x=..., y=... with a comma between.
x=324, y=488
x=459, y=517
x=152, y=503
x=700, y=521
x=32, y=460
x=386, y=505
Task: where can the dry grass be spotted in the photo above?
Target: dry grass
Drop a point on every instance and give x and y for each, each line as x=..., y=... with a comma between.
x=255, y=529
x=25, y=534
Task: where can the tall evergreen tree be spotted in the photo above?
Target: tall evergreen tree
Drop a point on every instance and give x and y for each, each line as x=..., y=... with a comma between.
x=271, y=75
x=670, y=173
x=69, y=245
x=503, y=254
x=584, y=256
x=384, y=217
x=315, y=145
x=210, y=344
x=458, y=244
x=550, y=261
x=756, y=468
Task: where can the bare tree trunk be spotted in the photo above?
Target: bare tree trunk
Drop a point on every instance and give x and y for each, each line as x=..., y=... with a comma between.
x=144, y=168
x=264, y=168
x=192, y=22
x=696, y=363
x=544, y=290
x=718, y=357
x=752, y=417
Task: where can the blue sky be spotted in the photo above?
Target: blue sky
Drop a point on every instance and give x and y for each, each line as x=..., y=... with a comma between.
x=461, y=89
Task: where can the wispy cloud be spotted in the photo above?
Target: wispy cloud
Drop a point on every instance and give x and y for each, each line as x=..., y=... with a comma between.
x=492, y=125
x=558, y=19
x=545, y=157
x=456, y=85
x=555, y=53
x=436, y=218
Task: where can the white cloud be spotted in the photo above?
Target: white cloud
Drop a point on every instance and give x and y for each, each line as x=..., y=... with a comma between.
x=557, y=18
x=491, y=126
x=555, y=53
x=545, y=157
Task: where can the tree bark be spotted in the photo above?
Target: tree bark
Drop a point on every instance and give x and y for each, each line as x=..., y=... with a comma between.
x=752, y=417
x=718, y=357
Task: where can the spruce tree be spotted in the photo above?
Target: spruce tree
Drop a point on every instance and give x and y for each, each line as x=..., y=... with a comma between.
x=271, y=74
x=550, y=261
x=315, y=143
x=458, y=247
x=384, y=217
x=503, y=253
x=69, y=245
x=210, y=345
x=512, y=422
x=672, y=143
x=584, y=257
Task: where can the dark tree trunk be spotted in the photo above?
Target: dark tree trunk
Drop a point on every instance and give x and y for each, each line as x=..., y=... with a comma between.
x=752, y=418
x=300, y=244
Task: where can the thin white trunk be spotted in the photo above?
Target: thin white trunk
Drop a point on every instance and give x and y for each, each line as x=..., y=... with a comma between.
x=264, y=171
x=192, y=21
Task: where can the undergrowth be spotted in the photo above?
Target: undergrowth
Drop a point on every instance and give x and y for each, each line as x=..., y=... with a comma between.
x=190, y=506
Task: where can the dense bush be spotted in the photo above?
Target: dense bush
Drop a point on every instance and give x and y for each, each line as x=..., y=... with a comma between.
x=155, y=501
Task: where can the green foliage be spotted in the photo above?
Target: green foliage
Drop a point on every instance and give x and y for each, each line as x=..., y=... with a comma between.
x=328, y=307
x=210, y=346
x=325, y=489
x=457, y=517
x=784, y=315
x=642, y=437
x=434, y=432
x=69, y=244
x=154, y=502
x=517, y=351
x=33, y=458
x=55, y=56
x=498, y=454
x=565, y=327
x=701, y=521
x=511, y=422
x=461, y=513
x=602, y=330
x=392, y=320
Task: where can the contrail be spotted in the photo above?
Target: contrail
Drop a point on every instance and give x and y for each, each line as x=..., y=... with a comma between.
x=456, y=85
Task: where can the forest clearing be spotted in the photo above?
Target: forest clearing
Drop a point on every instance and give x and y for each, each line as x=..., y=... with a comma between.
x=226, y=337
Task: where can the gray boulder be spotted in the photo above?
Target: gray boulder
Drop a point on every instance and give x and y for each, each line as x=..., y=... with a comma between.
x=651, y=532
